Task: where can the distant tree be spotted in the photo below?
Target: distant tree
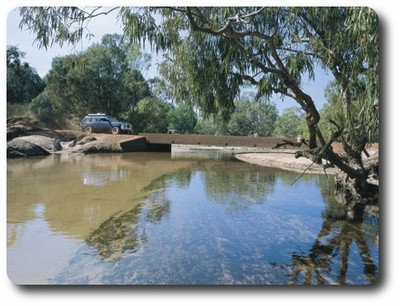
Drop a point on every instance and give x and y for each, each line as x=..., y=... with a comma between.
x=105, y=78
x=290, y=123
x=182, y=118
x=42, y=108
x=150, y=115
x=211, y=125
x=250, y=118
x=161, y=89
x=23, y=82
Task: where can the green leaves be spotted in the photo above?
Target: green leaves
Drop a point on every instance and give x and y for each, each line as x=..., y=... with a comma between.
x=102, y=79
x=23, y=82
x=291, y=123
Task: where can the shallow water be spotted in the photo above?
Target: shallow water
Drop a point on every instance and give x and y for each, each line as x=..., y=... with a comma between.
x=157, y=218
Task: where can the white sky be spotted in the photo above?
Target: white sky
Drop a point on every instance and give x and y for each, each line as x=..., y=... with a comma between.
x=41, y=59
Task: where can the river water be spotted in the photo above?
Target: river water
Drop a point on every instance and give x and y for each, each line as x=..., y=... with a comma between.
x=179, y=219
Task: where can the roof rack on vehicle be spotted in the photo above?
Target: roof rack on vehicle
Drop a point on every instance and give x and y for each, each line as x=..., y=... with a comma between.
x=98, y=114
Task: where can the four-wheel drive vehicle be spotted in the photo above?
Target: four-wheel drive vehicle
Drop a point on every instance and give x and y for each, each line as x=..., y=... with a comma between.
x=101, y=123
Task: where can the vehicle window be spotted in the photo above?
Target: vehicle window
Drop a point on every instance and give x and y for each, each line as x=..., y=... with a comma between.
x=112, y=119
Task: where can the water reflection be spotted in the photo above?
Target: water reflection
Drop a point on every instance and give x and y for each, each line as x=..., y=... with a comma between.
x=238, y=189
x=118, y=234
x=99, y=176
x=328, y=261
x=75, y=206
x=150, y=219
x=234, y=190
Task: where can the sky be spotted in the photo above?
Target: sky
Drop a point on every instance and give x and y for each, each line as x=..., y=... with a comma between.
x=41, y=59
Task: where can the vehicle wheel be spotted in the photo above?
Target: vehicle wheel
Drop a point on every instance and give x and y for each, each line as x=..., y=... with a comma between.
x=89, y=129
x=115, y=130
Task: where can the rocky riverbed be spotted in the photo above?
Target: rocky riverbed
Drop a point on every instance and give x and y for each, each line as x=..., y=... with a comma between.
x=26, y=138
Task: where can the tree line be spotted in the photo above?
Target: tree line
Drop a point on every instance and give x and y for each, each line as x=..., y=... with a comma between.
x=107, y=77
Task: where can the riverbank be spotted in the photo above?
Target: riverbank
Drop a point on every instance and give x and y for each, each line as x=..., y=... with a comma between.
x=287, y=161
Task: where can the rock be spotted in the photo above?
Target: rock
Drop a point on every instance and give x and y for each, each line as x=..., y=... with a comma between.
x=97, y=146
x=21, y=148
x=17, y=126
x=86, y=140
x=47, y=143
x=15, y=132
x=12, y=153
x=24, y=126
x=72, y=144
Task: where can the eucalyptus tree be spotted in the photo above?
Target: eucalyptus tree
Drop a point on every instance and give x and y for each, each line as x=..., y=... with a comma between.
x=211, y=51
x=289, y=123
x=23, y=82
x=253, y=118
x=182, y=118
x=104, y=78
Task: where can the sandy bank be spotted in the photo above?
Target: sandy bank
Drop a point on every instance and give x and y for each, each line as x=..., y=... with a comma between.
x=285, y=161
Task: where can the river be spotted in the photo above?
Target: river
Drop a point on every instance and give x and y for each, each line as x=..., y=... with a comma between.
x=179, y=219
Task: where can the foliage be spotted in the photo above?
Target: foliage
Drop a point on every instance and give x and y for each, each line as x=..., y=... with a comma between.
x=212, y=125
x=290, y=123
x=23, y=82
x=248, y=119
x=253, y=118
x=150, y=116
x=366, y=124
x=42, y=108
x=353, y=58
x=102, y=79
x=182, y=119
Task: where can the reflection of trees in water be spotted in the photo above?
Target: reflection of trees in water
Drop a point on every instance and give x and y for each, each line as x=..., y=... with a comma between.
x=180, y=178
x=118, y=234
x=126, y=232
x=327, y=261
x=238, y=189
x=329, y=255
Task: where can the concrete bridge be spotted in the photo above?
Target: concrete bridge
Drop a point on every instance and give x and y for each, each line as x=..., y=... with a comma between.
x=164, y=142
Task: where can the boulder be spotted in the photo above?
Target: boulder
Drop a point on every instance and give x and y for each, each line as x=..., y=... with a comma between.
x=12, y=153
x=15, y=132
x=97, y=146
x=47, y=143
x=86, y=140
x=19, y=126
x=22, y=148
